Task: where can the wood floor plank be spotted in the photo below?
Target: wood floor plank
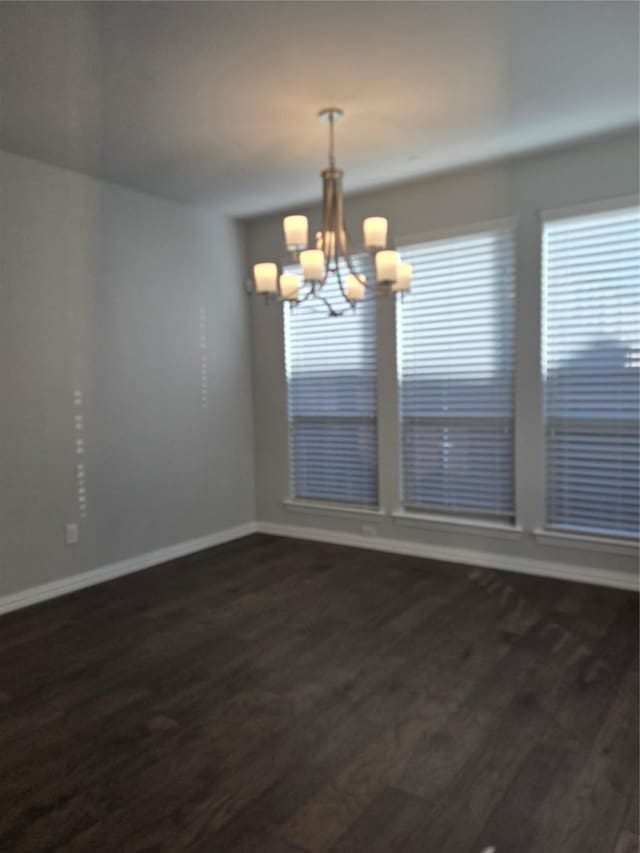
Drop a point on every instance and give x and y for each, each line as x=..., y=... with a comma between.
x=384, y=824
x=513, y=822
x=628, y=842
x=482, y=782
x=631, y=821
x=593, y=816
x=282, y=696
x=326, y=816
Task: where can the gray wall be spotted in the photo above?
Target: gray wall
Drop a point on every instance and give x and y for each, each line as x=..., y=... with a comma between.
x=101, y=291
x=590, y=171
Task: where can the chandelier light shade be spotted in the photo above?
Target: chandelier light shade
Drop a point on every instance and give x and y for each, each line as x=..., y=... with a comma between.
x=356, y=287
x=403, y=279
x=387, y=266
x=296, y=232
x=331, y=255
x=374, y=229
x=290, y=286
x=266, y=277
x=313, y=265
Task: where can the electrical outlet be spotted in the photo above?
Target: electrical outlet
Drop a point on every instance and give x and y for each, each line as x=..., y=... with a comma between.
x=369, y=530
x=71, y=533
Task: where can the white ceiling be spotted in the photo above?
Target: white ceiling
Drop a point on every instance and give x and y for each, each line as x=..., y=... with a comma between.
x=215, y=103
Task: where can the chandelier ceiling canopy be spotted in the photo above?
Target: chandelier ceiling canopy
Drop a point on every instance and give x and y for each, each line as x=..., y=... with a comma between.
x=332, y=256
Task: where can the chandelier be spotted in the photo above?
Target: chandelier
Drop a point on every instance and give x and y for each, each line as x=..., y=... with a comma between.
x=332, y=257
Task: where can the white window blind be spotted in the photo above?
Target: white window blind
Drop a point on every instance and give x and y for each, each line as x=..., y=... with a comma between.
x=331, y=385
x=591, y=360
x=456, y=375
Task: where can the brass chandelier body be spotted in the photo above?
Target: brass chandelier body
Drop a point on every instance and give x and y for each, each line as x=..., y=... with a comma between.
x=332, y=258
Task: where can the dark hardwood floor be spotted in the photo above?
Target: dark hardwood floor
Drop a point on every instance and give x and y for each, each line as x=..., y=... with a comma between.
x=274, y=696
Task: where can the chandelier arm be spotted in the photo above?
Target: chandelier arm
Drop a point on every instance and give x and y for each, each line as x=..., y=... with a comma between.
x=327, y=270
x=360, y=276
x=310, y=292
x=342, y=240
x=326, y=218
x=333, y=262
x=339, y=277
x=340, y=226
x=332, y=311
x=346, y=254
x=313, y=285
x=356, y=250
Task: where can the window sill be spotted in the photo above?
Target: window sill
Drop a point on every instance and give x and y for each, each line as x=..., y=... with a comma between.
x=491, y=529
x=587, y=542
x=332, y=509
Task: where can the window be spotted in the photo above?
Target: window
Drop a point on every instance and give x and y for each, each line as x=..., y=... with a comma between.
x=331, y=386
x=591, y=360
x=456, y=376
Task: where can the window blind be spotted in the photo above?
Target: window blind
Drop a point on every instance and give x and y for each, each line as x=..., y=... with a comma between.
x=331, y=386
x=591, y=360
x=455, y=337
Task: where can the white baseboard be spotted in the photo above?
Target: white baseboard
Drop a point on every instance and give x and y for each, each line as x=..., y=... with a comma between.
x=562, y=571
x=123, y=567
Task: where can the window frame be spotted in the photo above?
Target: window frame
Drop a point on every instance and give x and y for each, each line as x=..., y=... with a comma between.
x=319, y=505
x=409, y=514
x=529, y=504
x=546, y=533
